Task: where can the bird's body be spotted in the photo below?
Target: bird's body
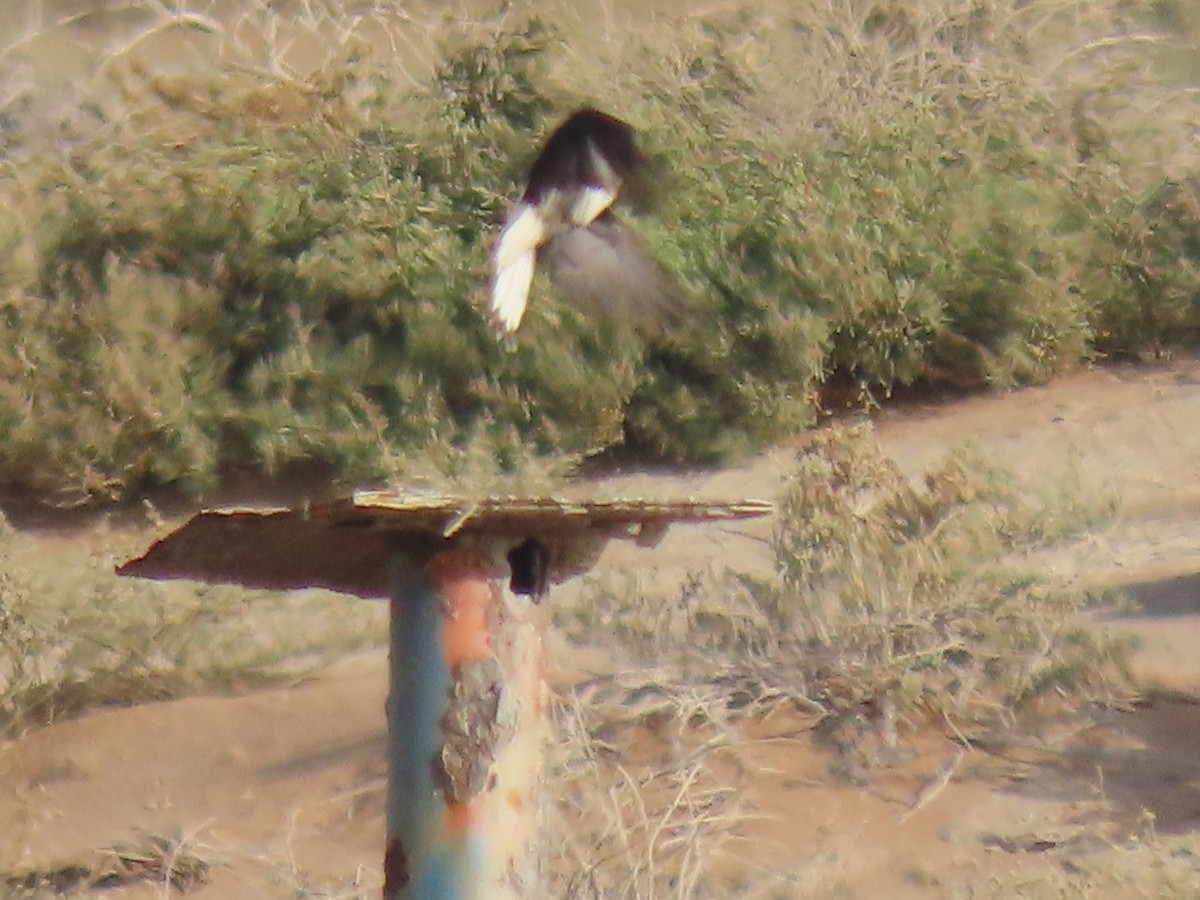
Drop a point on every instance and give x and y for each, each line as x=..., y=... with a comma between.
x=605, y=271
x=565, y=217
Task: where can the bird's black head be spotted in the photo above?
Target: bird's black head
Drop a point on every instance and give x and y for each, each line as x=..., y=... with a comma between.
x=566, y=162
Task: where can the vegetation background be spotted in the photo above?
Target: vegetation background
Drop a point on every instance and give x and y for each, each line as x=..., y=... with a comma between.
x=250, y=235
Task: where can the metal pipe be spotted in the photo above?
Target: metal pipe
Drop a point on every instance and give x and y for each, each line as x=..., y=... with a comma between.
x=467, y=708
x=466, y=724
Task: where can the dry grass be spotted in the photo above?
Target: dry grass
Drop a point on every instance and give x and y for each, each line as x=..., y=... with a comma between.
x=646, y=793
x=176, y=865
x=1147, y=867
x=74, y=636
x=886, y=590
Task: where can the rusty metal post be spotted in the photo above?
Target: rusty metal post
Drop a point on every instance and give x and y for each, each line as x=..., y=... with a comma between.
x=466, y=723
x=467, y=708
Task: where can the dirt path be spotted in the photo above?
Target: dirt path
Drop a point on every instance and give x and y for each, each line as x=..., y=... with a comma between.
x=282, y=789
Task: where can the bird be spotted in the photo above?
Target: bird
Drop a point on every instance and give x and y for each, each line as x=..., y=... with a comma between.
x=565, y=219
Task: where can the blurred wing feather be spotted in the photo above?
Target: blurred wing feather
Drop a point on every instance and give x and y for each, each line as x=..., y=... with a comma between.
x=591, y=203
x=525, y=230
x=514, y=260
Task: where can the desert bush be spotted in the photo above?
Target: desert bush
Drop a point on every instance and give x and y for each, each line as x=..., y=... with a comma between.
x=261, y=262
x=105, y=385
x=902, y=586
x=887, y=592
x=1152, y=304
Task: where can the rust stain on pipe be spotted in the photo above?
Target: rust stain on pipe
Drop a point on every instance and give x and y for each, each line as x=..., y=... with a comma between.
x=459, y=817
x=396, y=870
x=464, y=583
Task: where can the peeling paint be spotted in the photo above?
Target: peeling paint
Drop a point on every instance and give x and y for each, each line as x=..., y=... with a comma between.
x=476, y=723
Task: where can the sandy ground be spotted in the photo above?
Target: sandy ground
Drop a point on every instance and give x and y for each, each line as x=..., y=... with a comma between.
x=282, y=789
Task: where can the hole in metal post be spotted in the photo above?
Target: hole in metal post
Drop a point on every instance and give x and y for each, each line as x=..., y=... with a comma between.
x=529, y=563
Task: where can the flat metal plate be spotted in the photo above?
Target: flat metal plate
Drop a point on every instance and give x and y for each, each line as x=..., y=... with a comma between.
x=345, y=545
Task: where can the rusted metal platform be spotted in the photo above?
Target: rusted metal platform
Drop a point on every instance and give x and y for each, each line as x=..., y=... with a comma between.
x=345, y=545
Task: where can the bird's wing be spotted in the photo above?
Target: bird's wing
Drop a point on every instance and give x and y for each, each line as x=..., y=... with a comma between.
x=599, y=192
x=607, y=272
x=525, y=230
x=513, y=261
x=590, y=203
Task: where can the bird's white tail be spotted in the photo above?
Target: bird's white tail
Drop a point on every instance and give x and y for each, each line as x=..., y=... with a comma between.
x=514, y=259
x=510, y=292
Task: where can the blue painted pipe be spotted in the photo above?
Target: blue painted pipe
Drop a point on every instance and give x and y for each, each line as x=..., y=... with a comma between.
x=420, y=864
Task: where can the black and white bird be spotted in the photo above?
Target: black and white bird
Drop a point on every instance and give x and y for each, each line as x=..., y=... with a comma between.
x=565, y=219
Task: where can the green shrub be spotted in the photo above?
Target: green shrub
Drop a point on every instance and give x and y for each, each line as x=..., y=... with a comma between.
x=102, y=385
x=257, y=265
x=1152, y=301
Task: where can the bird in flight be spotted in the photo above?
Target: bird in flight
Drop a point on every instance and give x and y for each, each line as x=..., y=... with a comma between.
x=565, y=218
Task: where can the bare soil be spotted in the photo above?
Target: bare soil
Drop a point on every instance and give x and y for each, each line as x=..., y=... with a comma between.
x=281, y=791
